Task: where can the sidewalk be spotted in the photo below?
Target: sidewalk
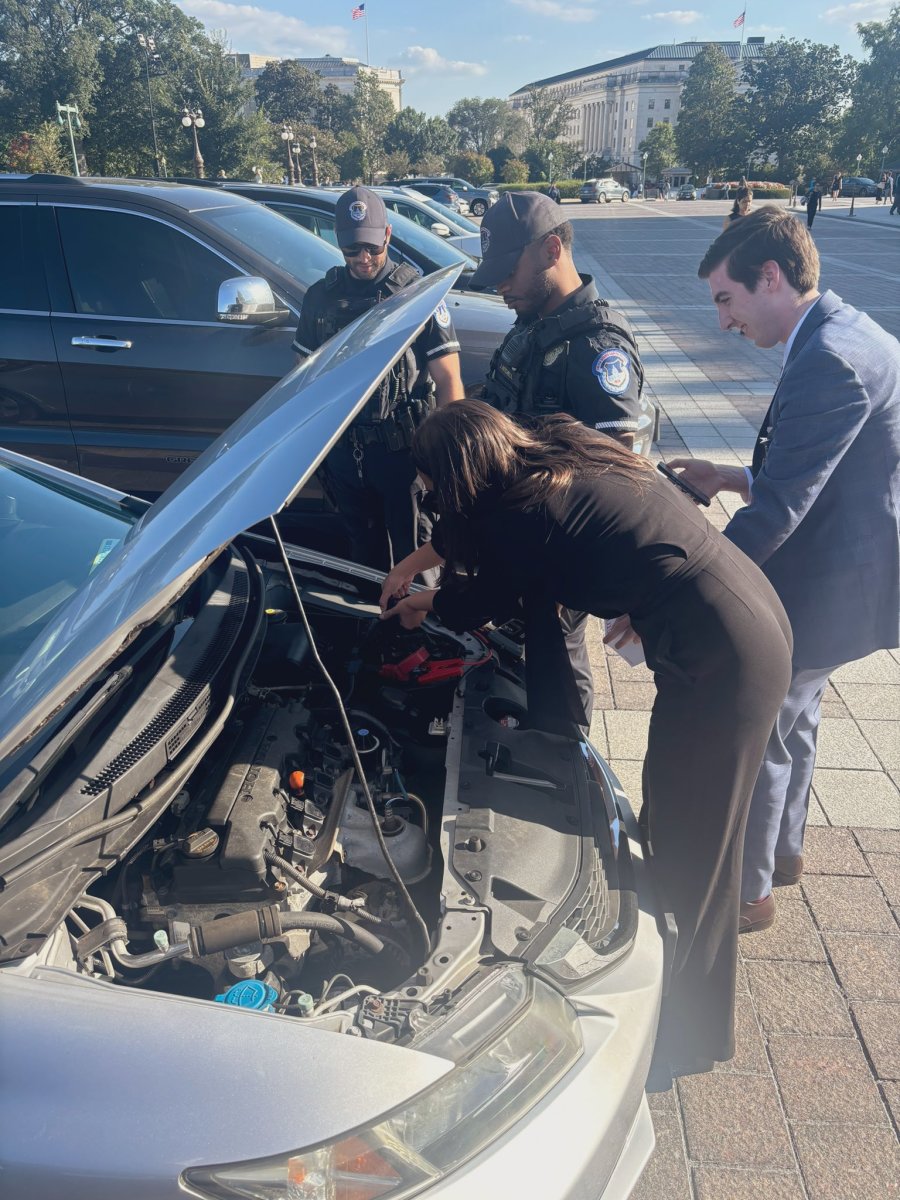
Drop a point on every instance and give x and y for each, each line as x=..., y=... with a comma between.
x=865, y=211
x=809, y=1108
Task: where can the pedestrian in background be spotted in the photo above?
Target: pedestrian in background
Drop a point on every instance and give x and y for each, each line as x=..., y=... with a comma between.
x=895, y=207
x=743, y=203
x=813, y=203
x=554, y=193
x=559, y=514
x=835, y=187
x=888, y=187
x=822, y=503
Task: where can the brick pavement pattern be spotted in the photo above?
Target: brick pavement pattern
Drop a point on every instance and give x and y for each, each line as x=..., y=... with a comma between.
x=809, y=1108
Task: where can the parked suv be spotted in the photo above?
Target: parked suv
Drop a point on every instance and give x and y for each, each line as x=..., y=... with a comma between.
x=859, y=185
x=138, y=320
x=478, y=199
x=597, y=191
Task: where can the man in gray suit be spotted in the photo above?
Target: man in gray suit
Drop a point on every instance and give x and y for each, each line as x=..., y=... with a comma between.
x=822, y=505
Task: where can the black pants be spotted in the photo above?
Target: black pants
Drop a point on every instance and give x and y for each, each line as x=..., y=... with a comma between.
x=574, y=625
x=720, y=649
x=810, y=215
x=376, y=503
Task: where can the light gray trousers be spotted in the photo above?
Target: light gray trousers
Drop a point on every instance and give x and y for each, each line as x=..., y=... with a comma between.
x=780, y=801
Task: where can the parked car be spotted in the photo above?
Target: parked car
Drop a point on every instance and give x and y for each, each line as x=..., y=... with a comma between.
x=479, y=199
x=859, y=185
x=443, y=222
x=141, y=319
x=687, y=191
x=240, y=907
x=603, y=191
x=439, y=191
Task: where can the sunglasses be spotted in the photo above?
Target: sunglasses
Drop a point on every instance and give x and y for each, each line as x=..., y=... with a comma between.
x=363, y=248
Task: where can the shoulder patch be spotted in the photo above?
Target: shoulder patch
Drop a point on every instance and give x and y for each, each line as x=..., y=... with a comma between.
x=441, y=315
x=613, y=371
x=485, y=240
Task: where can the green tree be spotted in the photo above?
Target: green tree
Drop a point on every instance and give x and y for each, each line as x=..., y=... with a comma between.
x=288, y=91
x=874, y=119
x=548, y=115
x=370, y=115
x=515, y=170
x=705, y=130
x=482, y=125
x=397, y=165
x=797, y=95
x=476, y=168
x=661, y=150
x=419, y=136
x=42, y=150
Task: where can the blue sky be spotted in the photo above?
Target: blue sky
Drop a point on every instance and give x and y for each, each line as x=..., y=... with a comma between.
x=448, y=49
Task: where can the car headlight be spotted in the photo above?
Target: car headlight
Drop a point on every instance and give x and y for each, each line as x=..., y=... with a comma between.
x=512, y=1040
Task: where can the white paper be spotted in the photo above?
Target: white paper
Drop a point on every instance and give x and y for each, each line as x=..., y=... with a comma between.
x=633, y=652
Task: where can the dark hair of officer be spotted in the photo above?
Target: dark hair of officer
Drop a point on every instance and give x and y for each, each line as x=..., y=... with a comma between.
x=469, y=451
x=768, y=235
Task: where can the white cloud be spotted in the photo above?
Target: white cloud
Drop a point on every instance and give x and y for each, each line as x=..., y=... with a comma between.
x=519, y=38
x=680, y=16
x=253, y=30
x=553, y=8
x=862, y=10
x=419, y=59
x=769, y=30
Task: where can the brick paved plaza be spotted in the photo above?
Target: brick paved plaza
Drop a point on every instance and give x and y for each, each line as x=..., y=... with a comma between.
x=809, y=1108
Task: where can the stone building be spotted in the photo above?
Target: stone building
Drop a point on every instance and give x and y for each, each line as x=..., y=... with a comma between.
x=342, y=72
x=617, y=102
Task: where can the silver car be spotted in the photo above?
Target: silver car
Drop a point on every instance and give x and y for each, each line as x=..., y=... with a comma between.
x=602, y=191
x=295, y=906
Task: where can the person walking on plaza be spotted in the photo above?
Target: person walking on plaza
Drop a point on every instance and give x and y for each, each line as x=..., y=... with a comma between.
x=743, y=204
x=568, y=350
x=813, y=203
x=895, y=207
x=559, y=514
x=835, y=187
x=369, y=473
x=888, y=186
x=822, y=505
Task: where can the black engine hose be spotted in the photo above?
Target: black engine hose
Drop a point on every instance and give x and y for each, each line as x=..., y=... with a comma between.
x=323, y=923
x=341, y=902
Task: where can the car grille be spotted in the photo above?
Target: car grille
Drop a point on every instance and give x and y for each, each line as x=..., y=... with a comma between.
x=590, y=912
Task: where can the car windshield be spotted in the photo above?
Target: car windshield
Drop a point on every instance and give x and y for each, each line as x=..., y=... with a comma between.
x=454, y=217
x=428, y=245
x=305, y=257
x=51, y=539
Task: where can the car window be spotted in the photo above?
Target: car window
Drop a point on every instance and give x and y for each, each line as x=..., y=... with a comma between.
x=427, y=246
x=321, y=224
x=52, y=539
x=414, y=214
x=277, y=239
x=22, y=283
x=126, y=265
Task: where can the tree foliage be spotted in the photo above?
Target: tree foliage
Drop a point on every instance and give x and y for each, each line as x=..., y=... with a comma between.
x=660, y=148
x=874, y=119
x=420, y=136
x=705, y=129
x=515, y=170
x=476, y=168
x=548, y=115
x=370, y=114
x=483, y=125
x=288, y=91
x=797, y=96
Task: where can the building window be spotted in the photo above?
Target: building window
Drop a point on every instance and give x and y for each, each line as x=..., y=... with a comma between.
x=681, y=66
x=649, y=122
x=651, y=104
x=665, y=120
x=667, y=104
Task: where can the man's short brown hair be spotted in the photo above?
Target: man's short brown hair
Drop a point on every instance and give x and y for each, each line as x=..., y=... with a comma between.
x=768, y=235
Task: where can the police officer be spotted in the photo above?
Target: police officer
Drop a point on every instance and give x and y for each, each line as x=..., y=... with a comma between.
x=568, y=351
x=369, y=474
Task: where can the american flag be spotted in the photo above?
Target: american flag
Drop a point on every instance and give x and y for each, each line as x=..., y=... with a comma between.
x=359, y=11
x=737, y=22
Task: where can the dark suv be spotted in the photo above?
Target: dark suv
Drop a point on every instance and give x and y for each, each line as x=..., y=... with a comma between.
x=138, y=320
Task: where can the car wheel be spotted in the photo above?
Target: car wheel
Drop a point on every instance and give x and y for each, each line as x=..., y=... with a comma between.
x=602, y=198
x=625, y=196
x=479, y=208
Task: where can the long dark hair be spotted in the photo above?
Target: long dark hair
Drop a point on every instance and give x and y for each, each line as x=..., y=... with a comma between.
x=473, y=453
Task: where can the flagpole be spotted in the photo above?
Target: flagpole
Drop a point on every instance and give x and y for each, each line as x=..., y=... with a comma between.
x=366, y=19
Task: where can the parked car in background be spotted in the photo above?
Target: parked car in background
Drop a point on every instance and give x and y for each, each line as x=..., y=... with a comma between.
x=603, y=191
x=479, y=199
x=441, y=192
x=440, y=221
x=687, y=191
x=140, y=319
x=859, y=185
x=220, y=872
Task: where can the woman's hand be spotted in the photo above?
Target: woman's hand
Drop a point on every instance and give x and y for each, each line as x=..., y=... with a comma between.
x=396, y=585
x=620, y=633
x=411, y=610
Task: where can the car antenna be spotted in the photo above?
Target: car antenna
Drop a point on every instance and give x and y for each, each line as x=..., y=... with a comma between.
x=351, y=743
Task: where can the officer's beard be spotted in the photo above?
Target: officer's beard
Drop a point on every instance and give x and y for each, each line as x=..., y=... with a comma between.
x=532, y=301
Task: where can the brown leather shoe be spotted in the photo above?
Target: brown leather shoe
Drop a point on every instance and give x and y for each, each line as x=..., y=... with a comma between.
x=757, y=916
x=788, y=870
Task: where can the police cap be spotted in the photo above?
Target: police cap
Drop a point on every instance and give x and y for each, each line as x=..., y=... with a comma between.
x=360, y=216
x=514, y=222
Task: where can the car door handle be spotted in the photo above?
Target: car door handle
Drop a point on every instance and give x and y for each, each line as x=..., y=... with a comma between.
x=102, y=343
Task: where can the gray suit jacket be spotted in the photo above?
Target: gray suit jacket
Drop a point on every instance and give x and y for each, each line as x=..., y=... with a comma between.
x=823, y=521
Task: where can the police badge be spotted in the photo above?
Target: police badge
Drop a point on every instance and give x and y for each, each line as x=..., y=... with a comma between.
x=358, y=210
x=613, y=371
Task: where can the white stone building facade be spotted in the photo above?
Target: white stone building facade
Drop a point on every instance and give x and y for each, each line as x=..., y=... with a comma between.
x=617, y=102
x=342, y=72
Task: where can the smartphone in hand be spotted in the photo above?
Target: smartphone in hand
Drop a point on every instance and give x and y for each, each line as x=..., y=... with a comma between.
x=688, y=488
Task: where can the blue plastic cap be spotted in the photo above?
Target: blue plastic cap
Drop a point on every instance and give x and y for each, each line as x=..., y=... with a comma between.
x=250, y=993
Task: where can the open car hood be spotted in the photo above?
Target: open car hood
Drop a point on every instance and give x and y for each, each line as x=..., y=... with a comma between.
x=249, y=473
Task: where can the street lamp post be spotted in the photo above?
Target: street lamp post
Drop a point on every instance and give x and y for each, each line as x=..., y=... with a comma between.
x=287, y=136
x=295, y=150
x=584, y=174
x=853, y=197
x=192, y=118
x=315, y=166
x=550, y=164
x=884, y=150
x=644, y=175
x=148, y=45
x=69, y=111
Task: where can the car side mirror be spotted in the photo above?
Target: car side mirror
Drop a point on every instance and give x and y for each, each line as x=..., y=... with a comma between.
x=440, y=229
x=249, y=300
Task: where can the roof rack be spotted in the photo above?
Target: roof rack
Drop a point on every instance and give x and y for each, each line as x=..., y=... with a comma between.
x=47, y=177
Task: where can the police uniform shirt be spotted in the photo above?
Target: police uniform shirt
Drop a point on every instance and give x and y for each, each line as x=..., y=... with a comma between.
x=593, y=376
x=350, y=298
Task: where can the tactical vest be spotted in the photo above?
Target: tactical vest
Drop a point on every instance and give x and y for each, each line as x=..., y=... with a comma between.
x=514, y=376
x=405, y=395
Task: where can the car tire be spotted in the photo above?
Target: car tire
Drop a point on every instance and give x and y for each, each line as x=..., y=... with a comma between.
x=626, y=196
x=479, y=208
x=603, y=198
